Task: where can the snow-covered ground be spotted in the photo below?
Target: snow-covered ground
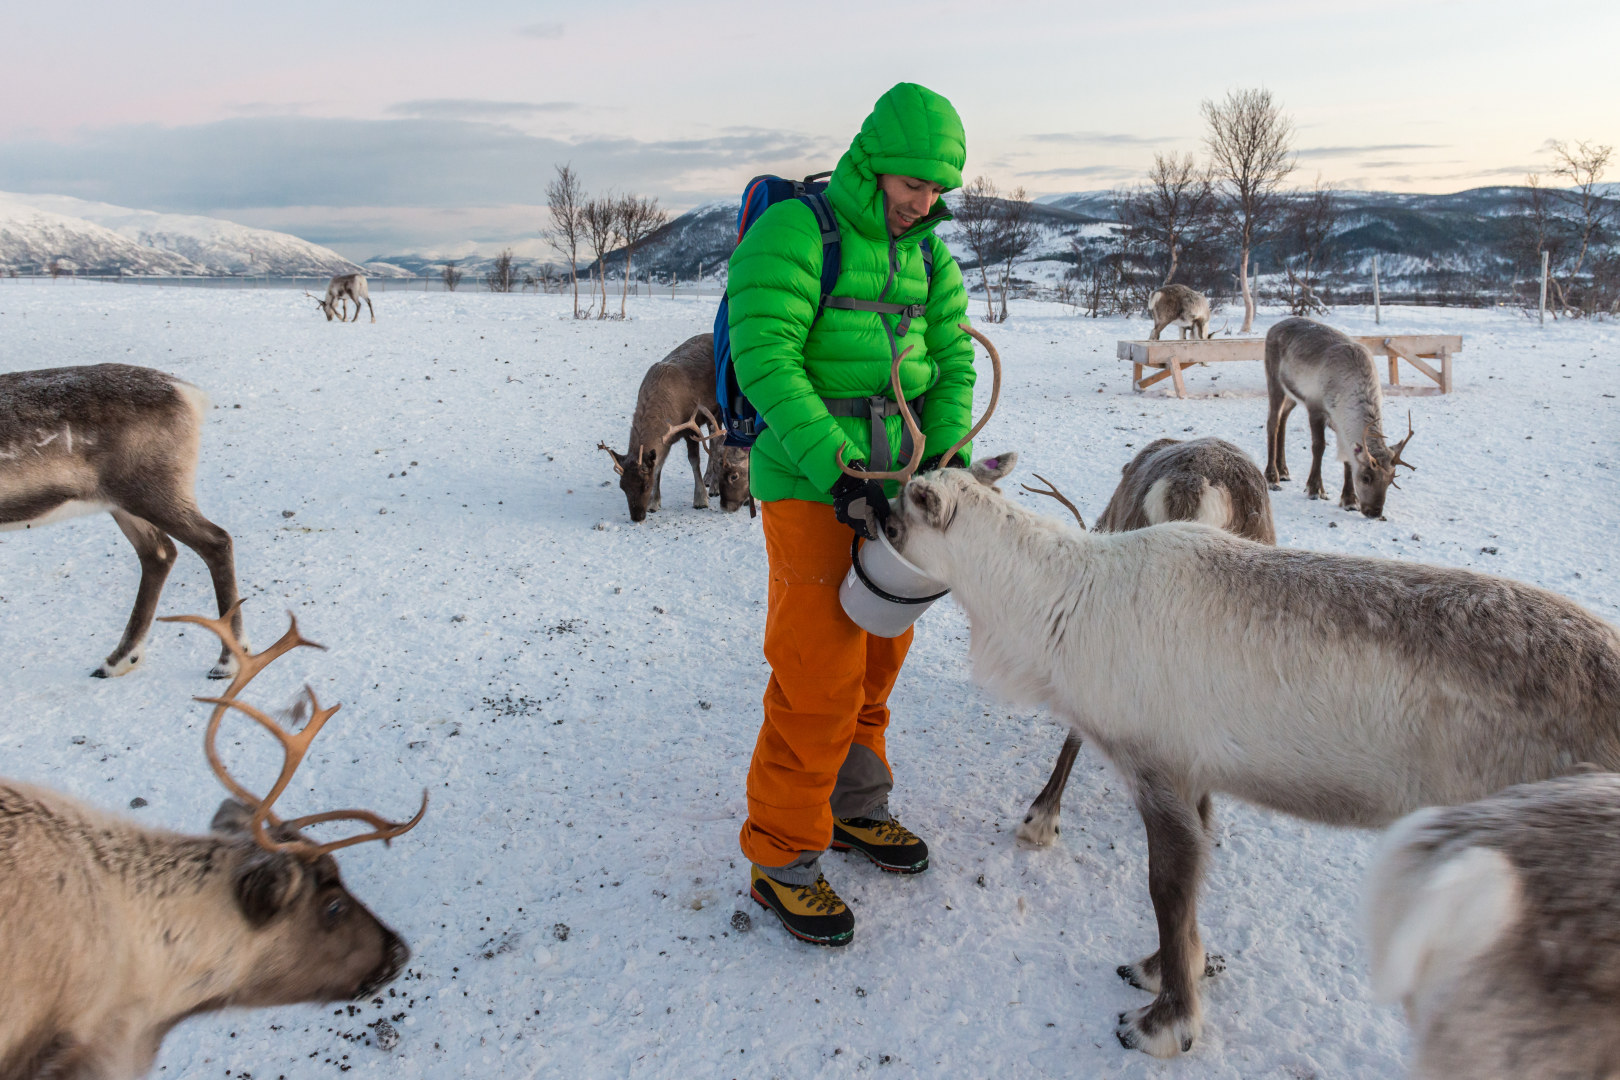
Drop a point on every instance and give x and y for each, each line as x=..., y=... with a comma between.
x=581, y=695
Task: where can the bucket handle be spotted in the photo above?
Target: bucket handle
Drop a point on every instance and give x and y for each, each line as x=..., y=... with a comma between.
x=875, y=588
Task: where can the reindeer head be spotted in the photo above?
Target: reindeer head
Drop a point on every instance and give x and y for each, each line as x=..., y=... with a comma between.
x=324, y=303
x=1372, y=468
x=733, y=469
x=312, y=940
x=638, y=474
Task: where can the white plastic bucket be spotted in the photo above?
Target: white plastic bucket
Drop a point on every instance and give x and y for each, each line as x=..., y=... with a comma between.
x=893, y=594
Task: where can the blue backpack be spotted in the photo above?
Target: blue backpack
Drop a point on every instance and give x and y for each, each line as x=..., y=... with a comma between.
x=742, y=421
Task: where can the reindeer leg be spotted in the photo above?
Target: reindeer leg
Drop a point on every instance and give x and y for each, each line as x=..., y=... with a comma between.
x=213, y=545
x=1276, y=438
x=1176, y=841
x=368, y=308
x=1041, y=823
x=700, y=490
x=157, y=554
x=1157, y=326
x=1347, y=497
x=1313, y=483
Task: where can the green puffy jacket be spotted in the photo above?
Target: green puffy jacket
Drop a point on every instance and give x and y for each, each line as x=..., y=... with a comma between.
x=786, y=365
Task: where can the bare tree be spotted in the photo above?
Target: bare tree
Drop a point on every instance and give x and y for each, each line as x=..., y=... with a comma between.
x=1308, y=220
x=1174, y=210
x=451, y=276
x=975, y=215
x=565, y=199
x=1587, y=210
x=601, y=217
x=1014, y=234
x=500, y=276
x=1250, y=147
x=638, y=218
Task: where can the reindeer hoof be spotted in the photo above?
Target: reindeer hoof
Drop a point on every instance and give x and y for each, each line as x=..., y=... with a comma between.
x=1158, y=1030
x=1039, y=828
x=1275, y=486
x=111, y=669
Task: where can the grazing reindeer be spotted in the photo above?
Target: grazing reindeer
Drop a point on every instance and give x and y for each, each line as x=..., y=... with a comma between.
x=1342, y=689
x=339, y=292
x=1333, y=376
x=123, y=439
x=681, y=385
x=114, y=933
x=1207, y=480
x=1497, y=925
x=1177, y=305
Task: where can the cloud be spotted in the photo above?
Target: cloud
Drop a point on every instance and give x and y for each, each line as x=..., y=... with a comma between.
x=548, y=31
x=478, y=109
x=1107, y=172
x=1351, y=151
x=1097, y=138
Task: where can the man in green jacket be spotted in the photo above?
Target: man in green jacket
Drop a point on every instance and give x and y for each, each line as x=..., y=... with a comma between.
x=820, y=775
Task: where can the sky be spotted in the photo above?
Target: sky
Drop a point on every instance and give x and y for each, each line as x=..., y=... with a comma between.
x=433, y=128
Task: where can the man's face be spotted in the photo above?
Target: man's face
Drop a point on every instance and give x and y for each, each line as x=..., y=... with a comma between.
x=908, y=199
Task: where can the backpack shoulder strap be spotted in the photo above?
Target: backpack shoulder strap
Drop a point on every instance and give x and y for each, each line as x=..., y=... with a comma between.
x=928, y=258
x=832, y=243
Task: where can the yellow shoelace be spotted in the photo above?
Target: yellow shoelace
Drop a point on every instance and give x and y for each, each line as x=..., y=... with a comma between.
x=892, y=832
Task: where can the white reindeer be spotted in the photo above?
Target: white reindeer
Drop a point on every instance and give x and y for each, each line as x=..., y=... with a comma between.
x=115, y=933
x=1333, y=376
x=339, y=292
x=1497, y=925
x=1342, y=689
x=123, y=439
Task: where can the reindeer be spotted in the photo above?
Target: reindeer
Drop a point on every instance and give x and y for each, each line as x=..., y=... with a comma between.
x=339, y=291
x=1342, y=689
x=1177, y=305
x=1494, y=924
x=114, y=933
x=1333, y=376
x=123, y=439
x=681, y=385
x=1207, y=480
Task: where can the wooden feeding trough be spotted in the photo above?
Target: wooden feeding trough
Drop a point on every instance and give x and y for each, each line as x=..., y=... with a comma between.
x=1172, y=358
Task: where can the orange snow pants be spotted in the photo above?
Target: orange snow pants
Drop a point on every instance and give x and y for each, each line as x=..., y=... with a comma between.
x=821, y=747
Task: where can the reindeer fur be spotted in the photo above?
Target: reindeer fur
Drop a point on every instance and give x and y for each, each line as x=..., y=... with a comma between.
x=122, y=439
x=1178, y=305
x=1207, y=480
x=1497, y=925
x=1341, y=689
x=114, y=933
x=1333, y=376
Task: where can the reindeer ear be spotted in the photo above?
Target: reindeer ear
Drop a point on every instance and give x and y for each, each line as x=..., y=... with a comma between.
x=989, y=470
x=649, y=456
x=231, y=817
x=264, y=885
x=933, y=504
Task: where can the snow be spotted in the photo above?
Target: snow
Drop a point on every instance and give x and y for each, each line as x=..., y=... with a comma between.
x=580, y=695
x=194, y=244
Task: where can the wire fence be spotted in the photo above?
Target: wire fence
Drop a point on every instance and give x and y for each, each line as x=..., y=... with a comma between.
x=431, y=282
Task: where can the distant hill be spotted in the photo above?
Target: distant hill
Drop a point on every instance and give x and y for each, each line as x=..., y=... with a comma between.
x=99, y=238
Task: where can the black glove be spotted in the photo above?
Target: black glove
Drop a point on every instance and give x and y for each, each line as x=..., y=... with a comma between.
x=861, y=504
x=931, y=463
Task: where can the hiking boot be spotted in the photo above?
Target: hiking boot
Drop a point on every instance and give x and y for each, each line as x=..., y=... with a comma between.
x=888, y=843
x=812, y=913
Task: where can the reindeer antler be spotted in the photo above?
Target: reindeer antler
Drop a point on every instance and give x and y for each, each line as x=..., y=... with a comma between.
x=918, y=441
x=294, y=747
x=692, y=427
x=1053, y=493
x=617, y=467
x=1396, y=459
x=995, y=392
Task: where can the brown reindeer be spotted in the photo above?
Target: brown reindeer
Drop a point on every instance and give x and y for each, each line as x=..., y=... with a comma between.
x=122, y=439
x=1207, y=480
x=114, y=933
x=1177, y=305
x=339, y=292
x=675, y=393
x=1332, y=375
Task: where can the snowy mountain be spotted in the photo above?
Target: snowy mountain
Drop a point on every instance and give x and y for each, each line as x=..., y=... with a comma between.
x=96, y=237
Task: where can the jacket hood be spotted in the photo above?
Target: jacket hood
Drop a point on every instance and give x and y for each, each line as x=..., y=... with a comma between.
x=911, y=131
